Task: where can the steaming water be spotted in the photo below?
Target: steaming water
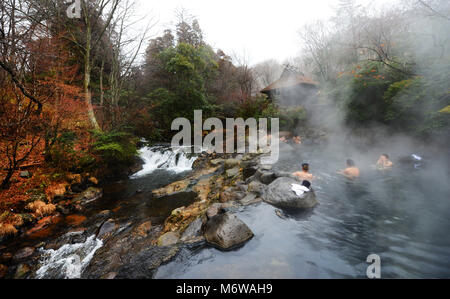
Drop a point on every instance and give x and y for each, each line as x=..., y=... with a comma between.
x=402, y=214
x=175, y=160
x=69, y=261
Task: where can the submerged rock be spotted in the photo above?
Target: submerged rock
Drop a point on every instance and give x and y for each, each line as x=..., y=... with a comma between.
x=226, y=231
x=279, y=193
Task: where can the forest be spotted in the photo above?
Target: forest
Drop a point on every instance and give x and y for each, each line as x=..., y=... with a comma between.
x=79, y=95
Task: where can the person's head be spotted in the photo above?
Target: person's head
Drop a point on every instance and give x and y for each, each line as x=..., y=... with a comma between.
x=305, y=166
x=307, y=184
x=350, y=163
x=386, y=156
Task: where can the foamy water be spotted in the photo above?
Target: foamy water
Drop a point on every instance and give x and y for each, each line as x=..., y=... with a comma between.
x=171, y=159
x=69, y=261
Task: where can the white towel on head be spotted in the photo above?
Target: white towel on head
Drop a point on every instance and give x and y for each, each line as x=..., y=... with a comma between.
x=299, y=189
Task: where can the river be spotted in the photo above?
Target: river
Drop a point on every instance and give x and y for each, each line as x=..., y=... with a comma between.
x=401, y=214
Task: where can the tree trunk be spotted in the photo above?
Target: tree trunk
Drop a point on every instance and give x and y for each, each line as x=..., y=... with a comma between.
x=87, y=81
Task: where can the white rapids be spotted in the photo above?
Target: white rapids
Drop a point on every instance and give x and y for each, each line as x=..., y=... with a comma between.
x=69, y=261
x=171, y=159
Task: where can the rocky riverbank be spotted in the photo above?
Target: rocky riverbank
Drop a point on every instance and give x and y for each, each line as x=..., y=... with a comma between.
x=132, y=247
x=218, y=185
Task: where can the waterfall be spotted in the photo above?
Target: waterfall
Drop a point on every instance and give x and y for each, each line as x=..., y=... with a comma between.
x=69, y=261
x=171, y=159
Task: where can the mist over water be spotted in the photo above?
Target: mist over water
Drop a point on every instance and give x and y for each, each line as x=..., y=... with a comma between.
x=401, y=214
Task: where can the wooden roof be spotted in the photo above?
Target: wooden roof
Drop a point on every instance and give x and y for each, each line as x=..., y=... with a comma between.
x=290, y=78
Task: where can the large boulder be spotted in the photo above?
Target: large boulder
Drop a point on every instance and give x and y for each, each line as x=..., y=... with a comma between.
x=279, y=193
x=226, y=231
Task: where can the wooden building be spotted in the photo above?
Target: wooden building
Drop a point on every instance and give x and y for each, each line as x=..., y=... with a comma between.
x=292, y=89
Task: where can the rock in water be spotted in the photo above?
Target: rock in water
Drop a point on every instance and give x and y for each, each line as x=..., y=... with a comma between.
x=193, y=230
x=89, y=195
x=107, y=229
x=226, y=231
x=145, y=264
x=279, y=193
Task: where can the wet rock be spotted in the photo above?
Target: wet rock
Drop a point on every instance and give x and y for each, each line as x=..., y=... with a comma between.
x=175, y=187
x=168, y=239
x=110, y=275
x=267, y=177
x=104, y=213
x=182, y=217
x=23, y=253
x=63, y=209
x=279, y=193
x=249, y=171
x=257, y=187
x=216, y=162
x=281, y=174
x=250, y=199
x=242, y=187
x=76, y=236
x=213, y=210
x=265, y=167
x=3, y=271
x=232, y=172
x=145, y=263
x=226, y=231
x=107, y=229
x=22, y=271
x=25, y=174
x=143, y=229
x=202, y=189
x=89, y=195
x=193, y=230
x=231, y=194
x=232, y=163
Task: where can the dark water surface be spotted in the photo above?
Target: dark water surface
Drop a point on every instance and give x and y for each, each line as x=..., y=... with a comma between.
x=402, y=214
